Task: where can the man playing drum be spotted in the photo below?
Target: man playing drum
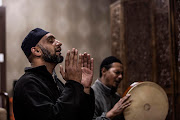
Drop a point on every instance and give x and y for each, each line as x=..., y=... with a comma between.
x=108, y=105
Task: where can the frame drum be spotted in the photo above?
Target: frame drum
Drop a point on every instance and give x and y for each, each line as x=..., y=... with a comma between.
x=149, y=102
x=3, y=114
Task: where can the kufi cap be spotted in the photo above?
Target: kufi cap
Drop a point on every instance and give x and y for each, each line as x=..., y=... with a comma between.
x=32, y=39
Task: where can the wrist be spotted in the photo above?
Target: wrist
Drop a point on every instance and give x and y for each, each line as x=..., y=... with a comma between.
x=87, y=90
x=110, y=115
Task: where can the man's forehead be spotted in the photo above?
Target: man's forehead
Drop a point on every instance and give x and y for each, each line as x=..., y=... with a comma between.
x=49, y=35
x=45, y=37
x=117, y=64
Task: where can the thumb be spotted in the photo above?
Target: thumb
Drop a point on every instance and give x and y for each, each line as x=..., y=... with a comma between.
x=62, y=72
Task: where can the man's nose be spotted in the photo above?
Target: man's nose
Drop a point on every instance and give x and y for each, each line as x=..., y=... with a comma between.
x=58, y=43
x=120, y=76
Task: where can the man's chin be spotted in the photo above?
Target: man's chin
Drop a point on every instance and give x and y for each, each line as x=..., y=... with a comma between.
x=60, y=59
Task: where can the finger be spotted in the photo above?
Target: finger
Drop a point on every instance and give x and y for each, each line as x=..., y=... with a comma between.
x=126, y=105
x=72, y=56
x=80, y=60
x=127, y=102
x=92, y=64
x=62, y=72
x=88, y=61
x=85, y=60
x=67, y=59
x=75, y=57
x=128, y=95
x=122, y=100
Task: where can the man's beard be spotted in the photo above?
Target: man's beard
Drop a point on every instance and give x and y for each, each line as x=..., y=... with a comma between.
x=51, y=58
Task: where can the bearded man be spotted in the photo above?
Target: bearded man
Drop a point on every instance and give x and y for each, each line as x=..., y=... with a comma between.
x=40, y=95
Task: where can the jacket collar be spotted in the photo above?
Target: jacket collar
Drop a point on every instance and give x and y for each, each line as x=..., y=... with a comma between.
x=39, y=70
x=103, y=88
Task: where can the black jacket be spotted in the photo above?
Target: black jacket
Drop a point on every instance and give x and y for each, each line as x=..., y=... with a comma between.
x=37, y=96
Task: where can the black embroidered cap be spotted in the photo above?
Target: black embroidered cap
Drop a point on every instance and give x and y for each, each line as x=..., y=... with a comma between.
x=32, y=39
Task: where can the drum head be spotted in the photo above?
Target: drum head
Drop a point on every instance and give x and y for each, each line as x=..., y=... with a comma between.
x=3, y=114
x=149, y=102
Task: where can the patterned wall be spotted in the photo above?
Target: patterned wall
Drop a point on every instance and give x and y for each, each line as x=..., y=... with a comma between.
x=163, y=50
x=177, y=21
x=138, y=40
x=163, y=42
x=142, y=40
x=132, y=39
x=83, y=24
x=176, y=4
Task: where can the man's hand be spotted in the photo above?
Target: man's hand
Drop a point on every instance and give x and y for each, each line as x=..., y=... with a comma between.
x=72, y=66
x=87, y=72
x=119, y=107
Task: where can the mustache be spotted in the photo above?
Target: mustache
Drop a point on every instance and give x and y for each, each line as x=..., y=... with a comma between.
x=58, y=49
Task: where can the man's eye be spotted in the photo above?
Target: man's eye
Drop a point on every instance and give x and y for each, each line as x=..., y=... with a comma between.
x=117, y=72
x=50, y=40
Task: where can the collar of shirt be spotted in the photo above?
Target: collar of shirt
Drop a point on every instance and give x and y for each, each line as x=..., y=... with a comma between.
x=105, y=89
x=42, y=70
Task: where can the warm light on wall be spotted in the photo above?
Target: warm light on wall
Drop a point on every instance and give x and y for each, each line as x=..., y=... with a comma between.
x=0, y=2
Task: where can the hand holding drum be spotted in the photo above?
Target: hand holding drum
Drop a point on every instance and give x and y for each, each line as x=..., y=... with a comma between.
x=119, y=107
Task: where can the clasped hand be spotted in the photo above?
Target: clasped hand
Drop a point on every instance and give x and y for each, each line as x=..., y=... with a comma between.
x=78, y=69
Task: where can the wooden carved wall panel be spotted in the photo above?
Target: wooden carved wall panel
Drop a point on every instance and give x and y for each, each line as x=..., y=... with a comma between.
x=162, y=36
x=170, y=111
x=176, y=16
x=177, y=22
x=163, y=50
x=177, y=41
x=137, y=17
x=117, y=37
x=141, y=36
x=115, y=31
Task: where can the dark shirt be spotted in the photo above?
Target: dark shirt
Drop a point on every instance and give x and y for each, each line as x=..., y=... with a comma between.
x=104, y=101
x=37, y=96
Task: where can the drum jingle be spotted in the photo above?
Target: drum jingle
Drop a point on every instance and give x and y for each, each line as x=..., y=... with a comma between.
x=149, y=102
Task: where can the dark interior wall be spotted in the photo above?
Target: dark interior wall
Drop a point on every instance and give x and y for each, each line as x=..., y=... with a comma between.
x=2, y=49
x=145, y=35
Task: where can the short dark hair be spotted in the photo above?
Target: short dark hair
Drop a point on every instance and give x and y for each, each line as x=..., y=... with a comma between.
x=107, y=63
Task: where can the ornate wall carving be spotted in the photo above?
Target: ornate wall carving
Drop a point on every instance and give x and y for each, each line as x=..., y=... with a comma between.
x=138, y=40
x=115, y=31
x=162, y=36
x=176, y=4
x=144, y=43
x=171, y=104
x=177, y=22
x=163, y=50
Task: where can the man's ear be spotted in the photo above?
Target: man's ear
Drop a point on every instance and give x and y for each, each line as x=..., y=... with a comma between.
x=103, y=70
x=36, y=51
